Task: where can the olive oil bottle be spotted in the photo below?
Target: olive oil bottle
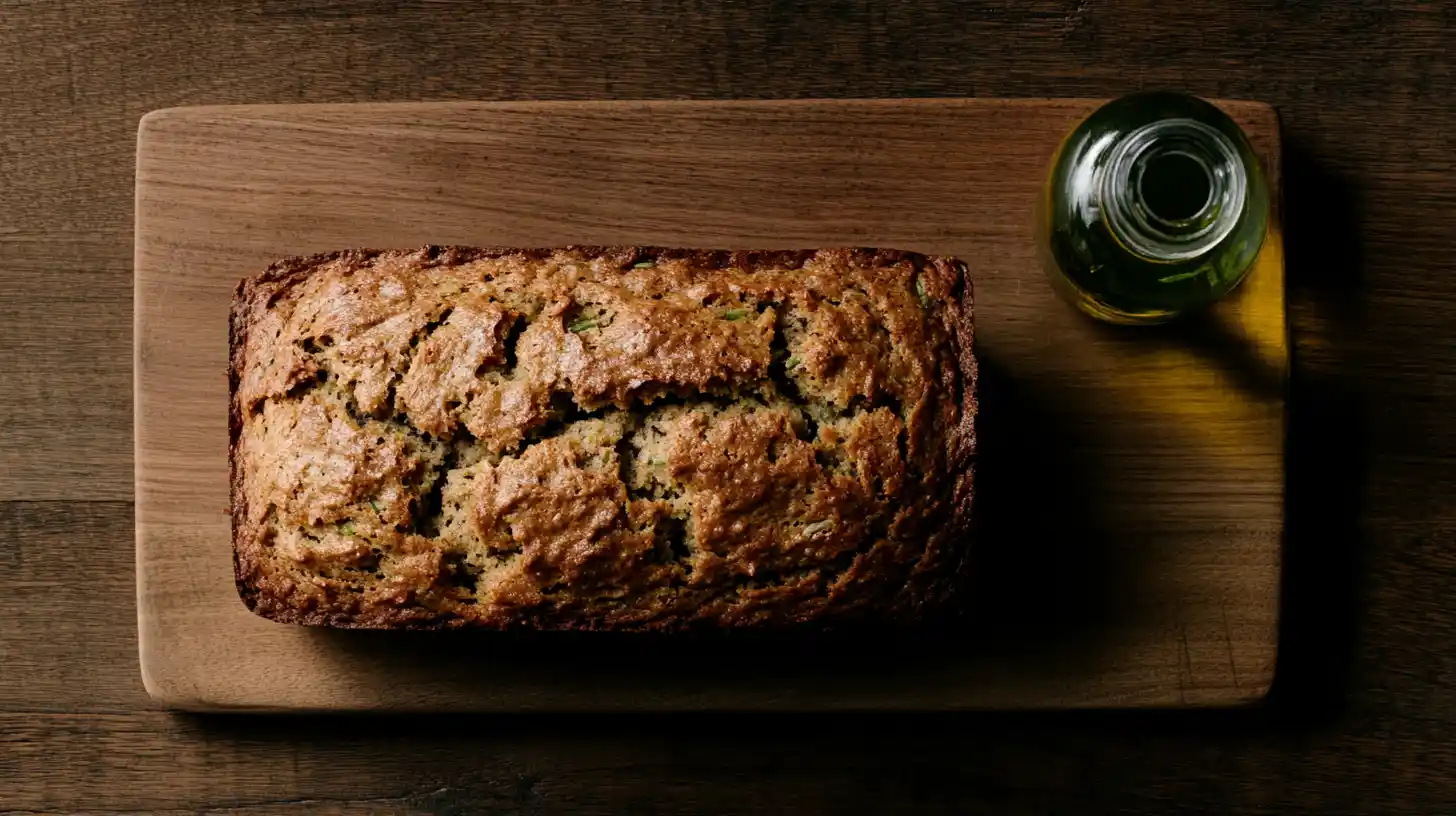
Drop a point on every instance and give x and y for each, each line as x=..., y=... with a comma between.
x=1154, y=205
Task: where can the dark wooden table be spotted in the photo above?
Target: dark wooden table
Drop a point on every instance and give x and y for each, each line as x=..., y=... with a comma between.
x=1363, y=717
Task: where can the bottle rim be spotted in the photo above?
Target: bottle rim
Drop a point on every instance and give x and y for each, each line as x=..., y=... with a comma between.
x=1157, y=236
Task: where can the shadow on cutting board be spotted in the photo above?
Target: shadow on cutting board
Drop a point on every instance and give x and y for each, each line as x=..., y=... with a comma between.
x=1049, y=575
x=1046, y=586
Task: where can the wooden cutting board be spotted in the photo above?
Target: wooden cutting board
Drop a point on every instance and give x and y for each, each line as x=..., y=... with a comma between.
x=1131, y=481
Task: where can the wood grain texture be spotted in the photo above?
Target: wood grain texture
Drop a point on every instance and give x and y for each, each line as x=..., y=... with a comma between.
x=65, y=369
x=151, y=762
x=1145, y=467
x=1362, y=716
x=54, y=555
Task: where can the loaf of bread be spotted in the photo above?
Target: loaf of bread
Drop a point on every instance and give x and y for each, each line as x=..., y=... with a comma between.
x=619, y=438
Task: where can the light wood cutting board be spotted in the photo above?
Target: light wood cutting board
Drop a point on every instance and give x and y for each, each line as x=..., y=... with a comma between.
x=1131, y=481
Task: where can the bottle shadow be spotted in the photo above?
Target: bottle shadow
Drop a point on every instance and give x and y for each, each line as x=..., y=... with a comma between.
x=1213, y=342
x=1326, y=448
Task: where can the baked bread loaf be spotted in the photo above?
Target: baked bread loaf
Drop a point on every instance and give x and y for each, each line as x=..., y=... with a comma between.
x=617, y=438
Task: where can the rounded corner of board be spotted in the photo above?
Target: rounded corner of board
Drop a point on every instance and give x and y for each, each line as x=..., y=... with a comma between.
x=153, y=119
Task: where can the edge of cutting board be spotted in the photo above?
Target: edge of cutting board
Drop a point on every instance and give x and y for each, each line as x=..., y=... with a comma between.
x=175, y=682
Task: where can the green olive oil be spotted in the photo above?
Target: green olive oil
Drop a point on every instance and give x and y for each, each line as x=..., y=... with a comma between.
x=1154, y=205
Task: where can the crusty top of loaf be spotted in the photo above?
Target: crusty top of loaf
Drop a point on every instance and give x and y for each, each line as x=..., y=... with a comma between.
x=611, y=438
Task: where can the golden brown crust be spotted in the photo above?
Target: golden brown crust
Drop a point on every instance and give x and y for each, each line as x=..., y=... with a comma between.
x=602, y=437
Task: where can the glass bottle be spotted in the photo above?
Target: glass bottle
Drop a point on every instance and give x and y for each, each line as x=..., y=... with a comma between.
x=1153, y=206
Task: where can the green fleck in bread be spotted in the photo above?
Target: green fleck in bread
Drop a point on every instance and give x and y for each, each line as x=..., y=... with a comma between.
x=602, y=438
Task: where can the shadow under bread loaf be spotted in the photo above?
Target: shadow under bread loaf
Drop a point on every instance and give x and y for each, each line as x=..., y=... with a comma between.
x=602, y=438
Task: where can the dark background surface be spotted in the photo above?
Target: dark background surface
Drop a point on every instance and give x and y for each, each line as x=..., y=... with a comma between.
x=1363, y=717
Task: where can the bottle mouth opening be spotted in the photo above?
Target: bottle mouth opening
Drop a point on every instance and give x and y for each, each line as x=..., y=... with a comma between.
x=1174, y=186
x=1174, y=189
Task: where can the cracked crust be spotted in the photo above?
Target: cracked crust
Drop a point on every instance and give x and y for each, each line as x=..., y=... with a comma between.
x=618, y=438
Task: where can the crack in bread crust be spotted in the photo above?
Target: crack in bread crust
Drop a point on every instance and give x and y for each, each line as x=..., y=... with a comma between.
x=623, y=438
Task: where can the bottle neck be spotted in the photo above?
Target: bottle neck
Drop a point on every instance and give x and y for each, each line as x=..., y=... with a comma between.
x=1173, y=189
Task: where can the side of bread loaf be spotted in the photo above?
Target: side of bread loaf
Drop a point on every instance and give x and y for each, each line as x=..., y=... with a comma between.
x=601, y=438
